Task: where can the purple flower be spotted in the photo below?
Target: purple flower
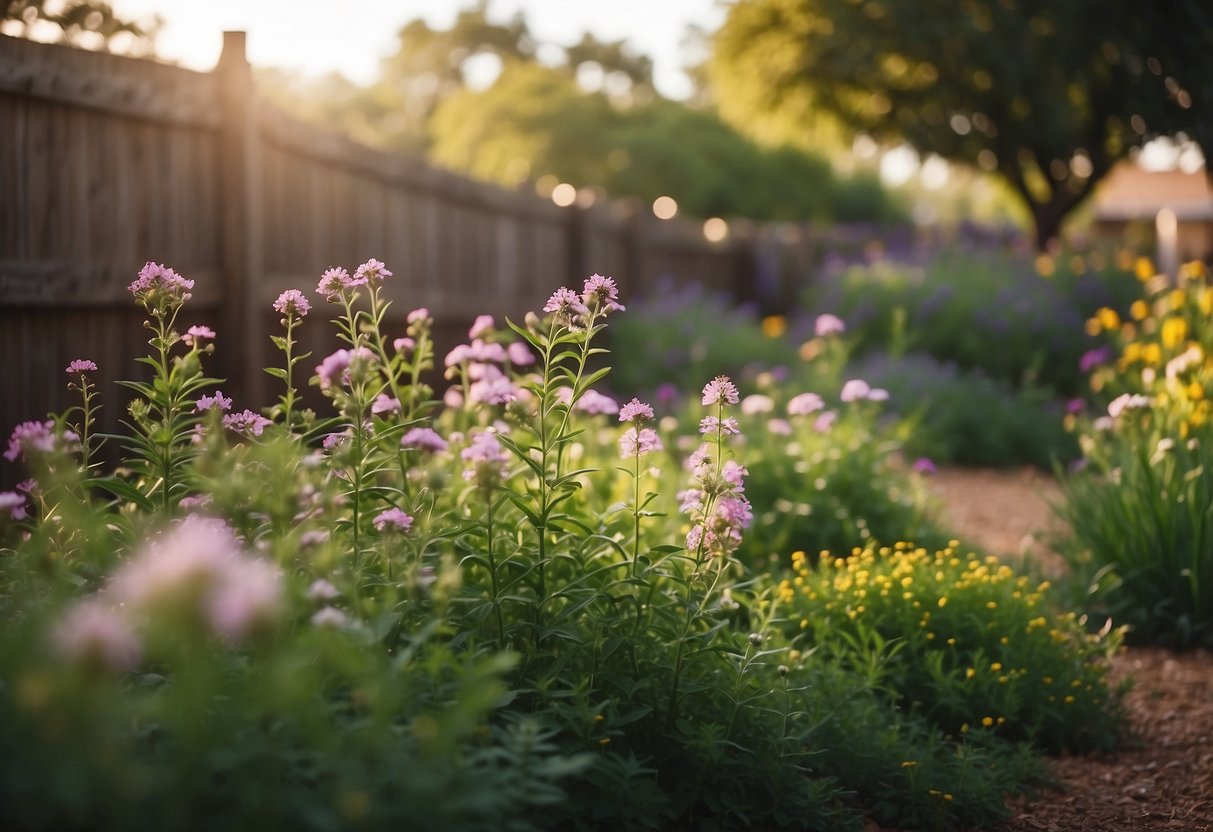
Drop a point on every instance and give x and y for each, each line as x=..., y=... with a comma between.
x=804, y=404
x=338, y=368
x=720, y=390
x=31, y=436
x=595, y=403
x=828, y=325
x=666, y=393
x=218, y=400
x=81, y=365
x=519, y=355
x=423, y=439
x=1075, y=406
x=482, y=324
x=198, y=335
x=636, y=411
x=602, y=292
x=566, y=305
x=392, y=520
x=14, y=504
x=486, y=462
x=157, y=283
x=1094, y=358
x=246, y=423
x=371, y=270
x=923, y=465
x=638, y=442
x=712, y=424
x=293, y=304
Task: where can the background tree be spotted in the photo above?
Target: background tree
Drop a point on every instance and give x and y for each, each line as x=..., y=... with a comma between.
x=89, y=24
x=1048, y=94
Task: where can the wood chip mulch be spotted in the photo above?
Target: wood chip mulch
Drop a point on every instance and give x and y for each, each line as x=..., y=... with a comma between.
x=1162, y=776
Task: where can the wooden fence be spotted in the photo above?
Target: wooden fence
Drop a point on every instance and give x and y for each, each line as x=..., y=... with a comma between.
x=107, y=162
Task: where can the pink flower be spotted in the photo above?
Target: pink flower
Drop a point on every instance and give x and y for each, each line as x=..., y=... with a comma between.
x=322, y=590
x=81, y=365
x=486, y=462
x=404, y=345
x=423, y=439
x=482, y=324
x=330, y=617
x=392, y=519
x=595, y=403
x=602, y=292
x=720, y=390
x=779, y=427
x=711, y=424
x=333, y=283
x=418, y=315
x=636, y=411
x=371, y=270
x=218, y=400
x=804, y=404
x=492, y=387
x=157, y=284
x=854, y=390
x=14, y=504
x=198, y=335
x=246, y=423
x=923, y=465
x=247, y=598
x=519, y=355
x=385, y=404
x=293, y=304
x=638, y=442
x=96, y=634
x=825, y=421
x=340, y=367
x=194, y=501
x=828, y=325
x=32, y=436
x=566, y=305
x=757, y=403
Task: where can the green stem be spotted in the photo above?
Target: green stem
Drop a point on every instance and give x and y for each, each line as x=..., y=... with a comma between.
x=493, y=573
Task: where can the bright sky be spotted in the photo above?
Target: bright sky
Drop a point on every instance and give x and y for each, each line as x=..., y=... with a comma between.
x=351, y=36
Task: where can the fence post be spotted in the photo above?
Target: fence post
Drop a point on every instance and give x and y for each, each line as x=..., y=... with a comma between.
x=241, y=340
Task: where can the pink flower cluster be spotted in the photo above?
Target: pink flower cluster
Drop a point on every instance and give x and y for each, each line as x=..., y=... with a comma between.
x=14, y=504
x=216, y=401
x=340, y=368
x=337, y=284
x=246, y=423
x=197, y=571
x=198, y=336
x=857, y=389
x=293, y=304
x=485, y=460
x=81, y=365
x=156, y=284
x=393, y=519
x=716, y=504
x=719, y=391
x=38, y=437
x=423, y=439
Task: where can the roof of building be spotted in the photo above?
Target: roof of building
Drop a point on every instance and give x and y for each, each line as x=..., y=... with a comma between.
x=1131, y=192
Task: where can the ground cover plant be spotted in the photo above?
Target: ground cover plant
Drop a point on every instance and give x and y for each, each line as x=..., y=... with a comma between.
x=1141, y=504
x=489, y=613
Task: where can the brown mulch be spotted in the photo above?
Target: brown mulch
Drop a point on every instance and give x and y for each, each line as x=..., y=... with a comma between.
x=1162, y=777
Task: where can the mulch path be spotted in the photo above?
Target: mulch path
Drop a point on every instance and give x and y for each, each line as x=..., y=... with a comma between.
x=1162, y=777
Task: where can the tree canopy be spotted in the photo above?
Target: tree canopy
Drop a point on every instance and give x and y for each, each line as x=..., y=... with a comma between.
x=91, y=24
x=1048, y=94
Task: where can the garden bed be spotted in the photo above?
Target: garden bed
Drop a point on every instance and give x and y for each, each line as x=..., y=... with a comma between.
x=1163, y=776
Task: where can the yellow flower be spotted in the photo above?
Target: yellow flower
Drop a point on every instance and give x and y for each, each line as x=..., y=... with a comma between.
x=970, y=673
x=774, y=325
x=1174, y=332
x=1151, y=354
x=987, y=721
x=1044, y=265
x=908, y=763
x=997, y=666
x=1144, y=269
x=1140, y=310
x=1108, y=319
